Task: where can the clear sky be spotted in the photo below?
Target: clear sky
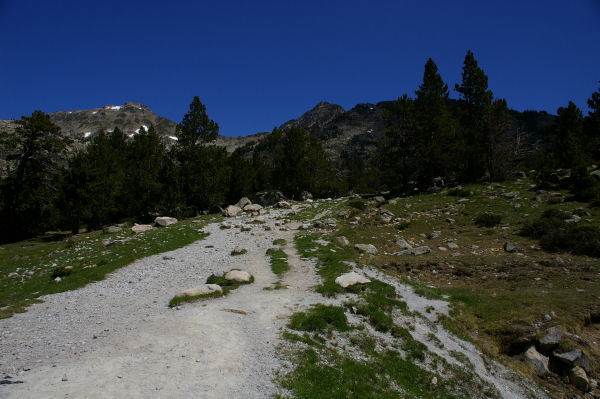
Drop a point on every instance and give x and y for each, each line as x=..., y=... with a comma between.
x=256, y=64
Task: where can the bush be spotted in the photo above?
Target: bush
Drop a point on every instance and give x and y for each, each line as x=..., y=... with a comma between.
x=320, y=318
x=555, y=235
x=488, y=219
x=358, y=203
x=459, y=192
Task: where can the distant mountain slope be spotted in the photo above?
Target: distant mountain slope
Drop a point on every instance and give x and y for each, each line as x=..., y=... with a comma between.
x=354, y=132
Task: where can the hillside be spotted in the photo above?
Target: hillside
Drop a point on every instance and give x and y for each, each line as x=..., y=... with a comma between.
x=452, y=307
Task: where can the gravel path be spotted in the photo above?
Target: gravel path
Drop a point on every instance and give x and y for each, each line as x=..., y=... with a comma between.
x=118, y=338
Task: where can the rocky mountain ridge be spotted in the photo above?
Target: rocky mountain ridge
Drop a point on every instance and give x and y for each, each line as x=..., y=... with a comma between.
x=353, y=133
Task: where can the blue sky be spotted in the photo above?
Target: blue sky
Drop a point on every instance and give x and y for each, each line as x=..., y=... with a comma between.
x=257, y=64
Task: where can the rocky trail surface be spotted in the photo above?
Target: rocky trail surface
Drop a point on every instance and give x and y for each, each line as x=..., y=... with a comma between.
x=118, y=337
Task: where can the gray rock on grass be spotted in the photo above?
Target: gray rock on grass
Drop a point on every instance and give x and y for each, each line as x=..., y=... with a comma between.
x=552, y=338
x=140, y=228
x=538, y=361
x=366, y=248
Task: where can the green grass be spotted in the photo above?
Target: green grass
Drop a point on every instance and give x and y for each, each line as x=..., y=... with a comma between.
x=280, y=242
x=278, y=259
x=327, y=374
x=36, y=261
x=320, y=318
x=330, y=265
x=237, y=252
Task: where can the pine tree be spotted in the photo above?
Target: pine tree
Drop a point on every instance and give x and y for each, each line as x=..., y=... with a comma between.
x=435, y=126
x=30, y=191
x=398, y=149
x=567, y=135
x=146, y=157
x=196, y=127
x=202, y=170
x=592, y=126
x=475, y=101
x=498, y=127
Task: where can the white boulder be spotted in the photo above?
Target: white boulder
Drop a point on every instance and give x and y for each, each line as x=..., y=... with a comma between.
x=238, y=275
x=348, y=279
x=232, y=211
x=165, y=221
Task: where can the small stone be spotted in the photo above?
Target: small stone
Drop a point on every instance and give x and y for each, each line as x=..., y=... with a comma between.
x=65, y=378
x=452, y=245
x=58, y=279
x=511, y=247
x=434, y=381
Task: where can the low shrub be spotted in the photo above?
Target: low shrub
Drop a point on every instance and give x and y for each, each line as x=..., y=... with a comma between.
x=488, y=219
x=556, y=235
x=358, y=203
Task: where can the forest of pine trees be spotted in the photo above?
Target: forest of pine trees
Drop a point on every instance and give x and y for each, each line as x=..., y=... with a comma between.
x=428, y=137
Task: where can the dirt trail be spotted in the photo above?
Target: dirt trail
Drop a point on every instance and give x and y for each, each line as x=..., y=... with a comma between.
x=144, y=349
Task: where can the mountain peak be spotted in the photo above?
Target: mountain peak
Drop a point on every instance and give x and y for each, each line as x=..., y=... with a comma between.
x=320, y=115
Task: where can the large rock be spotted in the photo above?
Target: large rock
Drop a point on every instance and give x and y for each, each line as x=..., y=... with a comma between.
x=140, y=228
x=579, y=378
x=243, y=202
x=165, y=221
x=538, y=361
x=268, y=198
x=238, y=275
x=366, y=248
x=552, y=338
x=252, y=208
x=348, y=279
x=574, y=358
x=202, y=290
x=232, y=211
